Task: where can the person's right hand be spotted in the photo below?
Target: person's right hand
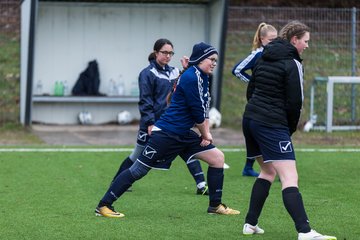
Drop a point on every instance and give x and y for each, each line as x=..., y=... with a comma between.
x=185, y=61
x=150, y=127
x=206, y=139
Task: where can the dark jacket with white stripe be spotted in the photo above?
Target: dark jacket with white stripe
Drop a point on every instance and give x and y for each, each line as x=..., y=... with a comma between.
x=275, y=91
x=155, y=83
x=241, y=68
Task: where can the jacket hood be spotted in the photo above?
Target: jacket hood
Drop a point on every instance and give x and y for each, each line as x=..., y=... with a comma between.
x=280, y=49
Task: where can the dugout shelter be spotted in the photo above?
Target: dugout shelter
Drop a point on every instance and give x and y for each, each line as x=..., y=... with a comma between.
x=59, y=39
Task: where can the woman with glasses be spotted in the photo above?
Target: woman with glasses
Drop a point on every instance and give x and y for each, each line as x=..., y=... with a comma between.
x=264, y=34
x=172, y=135
x=155, y=83
x=275, y=97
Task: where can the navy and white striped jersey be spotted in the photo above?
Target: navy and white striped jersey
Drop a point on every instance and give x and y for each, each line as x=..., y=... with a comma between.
x=189, y=105
x=248, y=63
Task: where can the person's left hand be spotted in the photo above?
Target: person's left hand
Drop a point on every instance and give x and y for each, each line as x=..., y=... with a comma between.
x=150, y=127
x=204, y=142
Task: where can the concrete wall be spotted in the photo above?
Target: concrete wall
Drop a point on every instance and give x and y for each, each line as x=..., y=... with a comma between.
x=119, y=36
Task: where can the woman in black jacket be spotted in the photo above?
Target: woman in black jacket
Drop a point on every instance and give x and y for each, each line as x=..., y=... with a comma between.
x=275, y=96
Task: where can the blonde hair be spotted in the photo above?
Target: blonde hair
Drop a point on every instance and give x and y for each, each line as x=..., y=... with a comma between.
x=261, y=31
x=293, y=28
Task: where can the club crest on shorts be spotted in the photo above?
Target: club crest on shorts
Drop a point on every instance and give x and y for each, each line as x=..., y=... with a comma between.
x=149, y=152
x=142, y=136
x=285, y=146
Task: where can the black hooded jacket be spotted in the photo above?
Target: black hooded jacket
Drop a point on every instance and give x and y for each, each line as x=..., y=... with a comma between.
x=275, y=91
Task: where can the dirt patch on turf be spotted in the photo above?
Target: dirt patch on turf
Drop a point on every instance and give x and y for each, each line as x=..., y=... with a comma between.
x=336, y=139
x=117, y=135
x=19, y=138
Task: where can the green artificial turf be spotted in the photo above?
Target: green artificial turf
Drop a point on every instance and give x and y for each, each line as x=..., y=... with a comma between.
x=52, y=195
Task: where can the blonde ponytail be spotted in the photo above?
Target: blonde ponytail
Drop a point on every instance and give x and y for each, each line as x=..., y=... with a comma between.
x=261, y=31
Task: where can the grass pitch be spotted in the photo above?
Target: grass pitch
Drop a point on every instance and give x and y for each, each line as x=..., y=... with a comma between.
x=52, y=195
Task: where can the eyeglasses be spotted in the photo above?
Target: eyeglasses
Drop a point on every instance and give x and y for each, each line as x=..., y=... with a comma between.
x=166, y=53
x=213, y=60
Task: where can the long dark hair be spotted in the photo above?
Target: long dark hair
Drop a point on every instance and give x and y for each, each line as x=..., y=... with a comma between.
x=169, y=96
x=157, y=46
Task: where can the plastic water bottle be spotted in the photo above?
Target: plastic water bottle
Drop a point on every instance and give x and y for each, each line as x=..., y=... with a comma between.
x=120, y=89
x=39, y=88
x=56, y=89
x=59, y=88
x=66, y=88
x=112, y=88
x=134, y=91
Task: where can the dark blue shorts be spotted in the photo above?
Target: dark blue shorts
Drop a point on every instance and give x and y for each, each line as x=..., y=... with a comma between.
x=142, y=137
x=269, y=142
x=163, y=147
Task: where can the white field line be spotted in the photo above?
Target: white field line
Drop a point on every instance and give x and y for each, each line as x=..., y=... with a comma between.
x=302, y=150
x=66, y=149
x=130, y=149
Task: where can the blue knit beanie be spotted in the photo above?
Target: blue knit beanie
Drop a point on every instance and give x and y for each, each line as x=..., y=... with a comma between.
x=200, y=52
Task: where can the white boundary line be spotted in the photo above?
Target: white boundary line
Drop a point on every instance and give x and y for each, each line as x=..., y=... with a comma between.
x=130, y=149
x=302, y=150
x=66, y=149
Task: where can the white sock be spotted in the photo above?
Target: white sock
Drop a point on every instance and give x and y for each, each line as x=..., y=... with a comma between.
x=201, y=185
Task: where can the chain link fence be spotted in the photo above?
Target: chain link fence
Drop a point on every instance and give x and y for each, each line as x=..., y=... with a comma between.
x=9, y=61
x=332, y=52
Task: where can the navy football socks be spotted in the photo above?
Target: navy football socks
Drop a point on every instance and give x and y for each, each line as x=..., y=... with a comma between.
x=215, y=178
x=294, y=205
x=260, y=192
x=118, y=187
x=126, y=164
x=196, y=171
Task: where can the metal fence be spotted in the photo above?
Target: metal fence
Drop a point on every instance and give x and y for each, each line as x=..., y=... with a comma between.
x=9, y=60
x=332, y=52
x=9, y=17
